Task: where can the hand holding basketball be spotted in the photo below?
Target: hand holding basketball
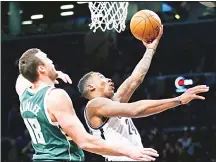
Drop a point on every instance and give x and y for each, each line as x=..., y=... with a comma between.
x=154, y=44
x=145, y=25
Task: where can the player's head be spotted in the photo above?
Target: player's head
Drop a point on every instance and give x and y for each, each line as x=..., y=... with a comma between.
x=94, y=84
x=34, y=64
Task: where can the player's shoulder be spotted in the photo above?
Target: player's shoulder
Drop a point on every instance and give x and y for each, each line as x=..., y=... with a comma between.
x=57, y=94
x=95, y=105
x=57, y=100
x=97, y=102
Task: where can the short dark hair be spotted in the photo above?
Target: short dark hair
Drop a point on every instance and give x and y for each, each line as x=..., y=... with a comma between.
x=82, y=84
x=28, y=64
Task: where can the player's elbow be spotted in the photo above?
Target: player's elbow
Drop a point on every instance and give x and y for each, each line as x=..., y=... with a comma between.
x=84, y=142
x=17, y=89
x=87, y=143
x=132, y=112
x=82, y=138
x=90, y=147
x=137, y=79
x=83, y=145
x=138, y=111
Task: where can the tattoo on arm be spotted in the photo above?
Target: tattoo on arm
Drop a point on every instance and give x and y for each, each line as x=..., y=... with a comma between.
x=128, y=87
x=142, y=67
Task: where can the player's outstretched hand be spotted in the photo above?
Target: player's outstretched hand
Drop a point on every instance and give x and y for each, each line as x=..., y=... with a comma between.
x=191, y=94
x=143, y=154
x=153, y=44
x=63, y=77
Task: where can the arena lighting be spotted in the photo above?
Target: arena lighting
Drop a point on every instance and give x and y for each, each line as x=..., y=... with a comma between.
x=68, y=13
x=209, y=4
x=81, y=2
x=20, y=11
x=181, y=82
x=166, y=7
x=64, y=7
x=39, y=16
x=28, y=22
x=177, y=16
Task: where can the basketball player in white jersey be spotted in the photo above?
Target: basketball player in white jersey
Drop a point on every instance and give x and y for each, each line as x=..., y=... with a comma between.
x=108, y=115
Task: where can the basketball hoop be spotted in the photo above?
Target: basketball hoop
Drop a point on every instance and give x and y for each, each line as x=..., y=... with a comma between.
x=108, y=15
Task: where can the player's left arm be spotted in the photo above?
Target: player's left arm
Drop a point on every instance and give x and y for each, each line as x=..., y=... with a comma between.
x=128, y=87
x=21, y=84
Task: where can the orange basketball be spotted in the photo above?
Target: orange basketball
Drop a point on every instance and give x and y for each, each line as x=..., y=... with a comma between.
x=145, y=25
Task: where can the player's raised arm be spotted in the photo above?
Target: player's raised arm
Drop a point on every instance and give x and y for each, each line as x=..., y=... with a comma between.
x=108, y=108
x=128, y=87
x=21, y=84
x=60, y=108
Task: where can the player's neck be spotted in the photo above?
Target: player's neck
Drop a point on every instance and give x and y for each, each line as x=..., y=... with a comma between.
x=42, y=82
x=95, y=95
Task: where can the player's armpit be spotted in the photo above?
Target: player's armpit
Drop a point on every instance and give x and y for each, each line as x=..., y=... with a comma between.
x=22, y=84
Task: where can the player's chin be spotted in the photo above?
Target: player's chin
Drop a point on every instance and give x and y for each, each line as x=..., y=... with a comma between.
x=112, y=92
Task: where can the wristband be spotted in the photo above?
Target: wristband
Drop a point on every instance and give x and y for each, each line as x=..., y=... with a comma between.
x=179, y=100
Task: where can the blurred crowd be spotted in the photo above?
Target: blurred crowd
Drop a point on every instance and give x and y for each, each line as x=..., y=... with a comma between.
x=197, y=144
x=180, y=146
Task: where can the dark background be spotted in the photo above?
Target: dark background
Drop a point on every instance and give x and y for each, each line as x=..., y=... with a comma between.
x=187, y=48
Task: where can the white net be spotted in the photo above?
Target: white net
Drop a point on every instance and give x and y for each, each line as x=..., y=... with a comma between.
x=108, y=15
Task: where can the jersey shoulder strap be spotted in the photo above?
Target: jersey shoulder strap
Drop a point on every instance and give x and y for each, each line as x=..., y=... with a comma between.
x=90, y=101
x=104, y=119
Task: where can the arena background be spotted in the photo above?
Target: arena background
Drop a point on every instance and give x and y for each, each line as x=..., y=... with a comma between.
x=187, y=49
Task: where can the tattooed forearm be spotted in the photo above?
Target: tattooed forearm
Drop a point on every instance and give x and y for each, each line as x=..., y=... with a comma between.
x=128, y=87
x=142, y=67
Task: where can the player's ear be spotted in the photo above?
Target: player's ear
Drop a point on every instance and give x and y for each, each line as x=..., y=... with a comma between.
x=41, y=69
x=91, y=87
